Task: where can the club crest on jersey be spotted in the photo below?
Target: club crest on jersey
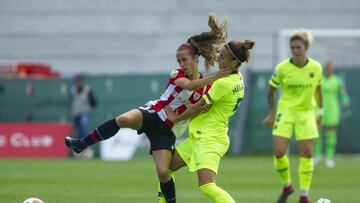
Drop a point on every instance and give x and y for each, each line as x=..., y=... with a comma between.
x=174, y=73
x=196, y=96
x=311, y=75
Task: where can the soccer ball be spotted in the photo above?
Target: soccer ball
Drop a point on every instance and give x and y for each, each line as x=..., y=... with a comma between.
x=33, y=200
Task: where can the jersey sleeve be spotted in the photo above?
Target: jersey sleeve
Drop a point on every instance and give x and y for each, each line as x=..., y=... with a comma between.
x=275, y=78
x=345, y=99
x=176, y=74
x=217, y=91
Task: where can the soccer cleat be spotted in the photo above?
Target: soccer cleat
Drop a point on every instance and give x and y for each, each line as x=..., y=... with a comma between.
x=304, y=199
x=161, y=198
x=74, y=144
x=330, y=163
x=287, y=191
x=317, y=160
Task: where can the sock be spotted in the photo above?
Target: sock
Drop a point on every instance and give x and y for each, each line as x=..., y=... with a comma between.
x=306, y=168
x=304, y=193
x=330, y=144
x=215, y=193
x=282, y=166
x=161, y=197
x=168, y=190
x=103, y=132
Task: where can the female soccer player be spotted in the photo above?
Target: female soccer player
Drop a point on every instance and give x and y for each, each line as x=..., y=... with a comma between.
x=300, y=79
x=185, y=87
x=208, y=140
x=332, y=87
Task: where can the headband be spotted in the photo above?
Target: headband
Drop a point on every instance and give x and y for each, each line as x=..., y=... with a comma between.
x=190, y=48
x=232, y=53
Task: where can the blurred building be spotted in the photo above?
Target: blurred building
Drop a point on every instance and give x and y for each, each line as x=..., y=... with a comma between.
x=111, y=36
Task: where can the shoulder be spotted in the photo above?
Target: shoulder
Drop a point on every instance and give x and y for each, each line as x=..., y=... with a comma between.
x=283, y=64
x=338, y=78
x=176, y=74
x=315, y=63
x=228, y=82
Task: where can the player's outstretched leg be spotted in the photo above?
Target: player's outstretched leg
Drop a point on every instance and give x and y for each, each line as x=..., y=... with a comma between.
x=103, y=132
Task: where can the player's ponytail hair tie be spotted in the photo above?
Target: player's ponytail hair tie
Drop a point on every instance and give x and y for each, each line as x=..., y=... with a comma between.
x=192, y=49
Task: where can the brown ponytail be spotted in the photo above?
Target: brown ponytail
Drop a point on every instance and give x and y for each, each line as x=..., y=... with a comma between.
x=241, y=50
x=208, y=44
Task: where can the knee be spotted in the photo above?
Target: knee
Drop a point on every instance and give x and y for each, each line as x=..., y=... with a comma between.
x=163, y=174
x=279, y=153
x=122, y=120
x=307, y=153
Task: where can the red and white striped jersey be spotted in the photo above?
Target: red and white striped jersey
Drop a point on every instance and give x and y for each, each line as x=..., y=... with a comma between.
x=178, y=99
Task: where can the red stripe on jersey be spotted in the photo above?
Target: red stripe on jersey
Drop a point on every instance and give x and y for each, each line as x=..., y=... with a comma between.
x=169, y=123
x=181, y=109
x=178, y=89
x=93, y=136
x=177, y=98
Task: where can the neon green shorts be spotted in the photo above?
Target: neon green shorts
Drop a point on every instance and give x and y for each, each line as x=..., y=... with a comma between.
x=331, y=116
x=204, y=152
x=300, y=122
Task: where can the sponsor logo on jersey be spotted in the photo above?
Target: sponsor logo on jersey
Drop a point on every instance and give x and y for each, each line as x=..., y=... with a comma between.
x=184, y=101
x=174, y=73
x=196, y=96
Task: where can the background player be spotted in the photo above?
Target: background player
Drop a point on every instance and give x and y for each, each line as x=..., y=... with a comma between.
x=332, y=87
x=299, y=78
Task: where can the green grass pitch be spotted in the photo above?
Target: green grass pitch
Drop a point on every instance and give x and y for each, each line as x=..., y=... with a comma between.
x=249, y=179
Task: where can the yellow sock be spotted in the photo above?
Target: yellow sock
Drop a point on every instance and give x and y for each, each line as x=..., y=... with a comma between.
x=215, y=193
x=306, y=168
x=161, y=197
x=282, y=165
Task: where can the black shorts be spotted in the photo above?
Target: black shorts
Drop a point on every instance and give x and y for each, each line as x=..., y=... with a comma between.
x=159, y=134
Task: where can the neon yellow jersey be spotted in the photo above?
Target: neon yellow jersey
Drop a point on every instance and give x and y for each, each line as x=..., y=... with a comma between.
x=298, y=85
x=224, y=97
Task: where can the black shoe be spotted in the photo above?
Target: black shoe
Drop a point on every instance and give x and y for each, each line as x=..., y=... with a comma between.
x=285, y=194
x=74, y=144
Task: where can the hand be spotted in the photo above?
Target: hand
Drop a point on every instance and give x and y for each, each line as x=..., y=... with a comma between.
x=223, y=72
x=171, y=115
x=269, y=120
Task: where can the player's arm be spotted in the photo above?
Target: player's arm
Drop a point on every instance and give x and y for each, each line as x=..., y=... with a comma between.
x=274, y=83
x=318, y=97
x=192, y=85
x=319, y=103
x=345, y=101
x=194, y=110
x=269, y=120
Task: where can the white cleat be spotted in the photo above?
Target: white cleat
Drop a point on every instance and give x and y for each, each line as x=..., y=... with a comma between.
x=317, y=160
x=330, y=163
